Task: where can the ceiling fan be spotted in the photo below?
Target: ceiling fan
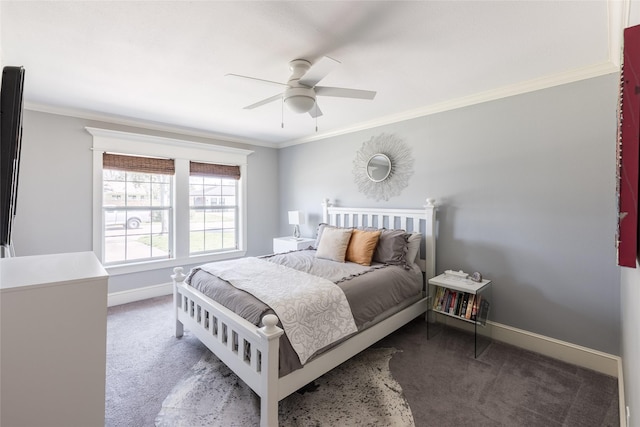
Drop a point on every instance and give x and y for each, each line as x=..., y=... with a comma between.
x=301, y=90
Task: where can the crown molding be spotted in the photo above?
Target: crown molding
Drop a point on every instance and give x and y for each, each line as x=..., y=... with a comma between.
x=596, y=70
x=142, y=124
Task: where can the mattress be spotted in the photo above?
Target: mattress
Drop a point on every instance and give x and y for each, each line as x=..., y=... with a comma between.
x=373, y=292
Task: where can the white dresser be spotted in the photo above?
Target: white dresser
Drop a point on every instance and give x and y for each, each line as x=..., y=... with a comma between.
x=53, y=328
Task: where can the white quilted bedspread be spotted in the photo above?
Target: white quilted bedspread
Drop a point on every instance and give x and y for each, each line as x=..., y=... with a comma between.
x=314, y=312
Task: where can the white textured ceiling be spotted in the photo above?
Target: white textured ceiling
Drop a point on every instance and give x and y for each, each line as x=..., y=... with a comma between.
x=163, y=63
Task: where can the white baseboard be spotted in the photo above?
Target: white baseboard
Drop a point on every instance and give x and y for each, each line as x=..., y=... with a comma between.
x=124, y=297
x=567, y=352
x=622, y=402
x=571, y=353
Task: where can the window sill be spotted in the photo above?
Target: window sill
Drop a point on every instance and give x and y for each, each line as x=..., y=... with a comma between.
x=116, y=270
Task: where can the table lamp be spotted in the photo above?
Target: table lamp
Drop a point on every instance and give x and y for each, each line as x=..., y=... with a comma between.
x=296, y=218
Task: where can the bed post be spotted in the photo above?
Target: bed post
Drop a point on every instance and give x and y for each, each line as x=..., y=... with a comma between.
x=270, y=335
x=178, y=277
x=325, y=211
x=430, y=238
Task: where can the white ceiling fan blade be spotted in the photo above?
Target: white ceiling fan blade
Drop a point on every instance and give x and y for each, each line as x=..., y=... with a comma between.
x=263, y=102
x=318, y=71
x=344, y=93
x=315, y=111
x=255, y=79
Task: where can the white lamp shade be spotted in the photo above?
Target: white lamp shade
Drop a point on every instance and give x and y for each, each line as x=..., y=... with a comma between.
x=300, y=99
x=296, y=217
x=300, y=103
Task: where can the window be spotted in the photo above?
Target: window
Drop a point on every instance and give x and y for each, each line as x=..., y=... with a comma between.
x=214, y=208
x=162, y=202
x=137, y=207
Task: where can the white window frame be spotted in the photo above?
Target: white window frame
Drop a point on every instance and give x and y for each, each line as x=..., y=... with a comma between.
x=182, y=152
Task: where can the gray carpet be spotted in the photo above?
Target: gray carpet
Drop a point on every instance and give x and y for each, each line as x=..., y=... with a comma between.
x=504, y=386
x=443, y=383
x=144, y=360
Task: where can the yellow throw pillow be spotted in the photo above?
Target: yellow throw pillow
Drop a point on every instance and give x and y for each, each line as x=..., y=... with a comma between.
x=362, y=245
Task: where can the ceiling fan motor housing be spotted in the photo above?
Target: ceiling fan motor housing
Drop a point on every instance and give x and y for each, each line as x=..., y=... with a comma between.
x=299, y=67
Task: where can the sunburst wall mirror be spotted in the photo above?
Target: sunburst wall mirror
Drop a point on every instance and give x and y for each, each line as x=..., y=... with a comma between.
x=383, y=166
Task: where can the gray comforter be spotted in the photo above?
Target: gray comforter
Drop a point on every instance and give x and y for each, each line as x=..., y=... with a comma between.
x=373, y=292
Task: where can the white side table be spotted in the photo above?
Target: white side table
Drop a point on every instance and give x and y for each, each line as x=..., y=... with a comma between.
x=466, y=301
x=286, y=244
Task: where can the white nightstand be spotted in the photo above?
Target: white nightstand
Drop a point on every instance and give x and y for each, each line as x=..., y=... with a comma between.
x=286, y=244
x=455, y=296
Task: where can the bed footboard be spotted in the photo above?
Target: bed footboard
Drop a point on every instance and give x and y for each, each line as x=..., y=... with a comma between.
x=249, y=351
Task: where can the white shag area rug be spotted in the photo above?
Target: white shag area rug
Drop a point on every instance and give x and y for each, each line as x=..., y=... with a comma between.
x=360, y=392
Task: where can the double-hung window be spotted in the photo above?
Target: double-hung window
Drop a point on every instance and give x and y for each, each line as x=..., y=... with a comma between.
x=213, y=190
x=137, y=208
x=161, y=202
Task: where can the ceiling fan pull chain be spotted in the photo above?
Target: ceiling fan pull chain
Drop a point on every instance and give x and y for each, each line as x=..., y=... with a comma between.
x=316, y=117
x=282, y=113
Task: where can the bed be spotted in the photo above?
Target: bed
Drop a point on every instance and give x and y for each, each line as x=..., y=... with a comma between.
x=257, y=353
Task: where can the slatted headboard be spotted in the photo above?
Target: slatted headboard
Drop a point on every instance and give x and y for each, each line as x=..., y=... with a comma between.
x=411, y=220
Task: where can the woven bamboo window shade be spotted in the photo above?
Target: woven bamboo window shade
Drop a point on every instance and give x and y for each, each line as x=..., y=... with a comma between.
x=214, y=170
x=138, y=164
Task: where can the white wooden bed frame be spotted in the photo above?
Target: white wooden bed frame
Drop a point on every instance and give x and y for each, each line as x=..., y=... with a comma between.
x=230, y=337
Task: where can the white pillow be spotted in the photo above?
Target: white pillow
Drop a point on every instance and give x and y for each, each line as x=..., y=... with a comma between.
x=333, y=244
x=413, y=247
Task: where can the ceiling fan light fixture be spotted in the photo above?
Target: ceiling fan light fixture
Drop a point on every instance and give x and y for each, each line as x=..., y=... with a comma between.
x=302, y=89
x=300, y=100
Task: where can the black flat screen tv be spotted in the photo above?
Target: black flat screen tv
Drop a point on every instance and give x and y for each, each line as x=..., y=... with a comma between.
x=10, y=145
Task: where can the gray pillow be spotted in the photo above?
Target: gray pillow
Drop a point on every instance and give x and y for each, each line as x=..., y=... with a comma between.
x=392, y=247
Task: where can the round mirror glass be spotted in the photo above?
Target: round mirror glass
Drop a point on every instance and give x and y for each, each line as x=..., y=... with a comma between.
x=378, y=167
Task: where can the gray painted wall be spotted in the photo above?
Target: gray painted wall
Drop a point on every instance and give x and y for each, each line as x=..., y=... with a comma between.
x=526, y=186
x=55, y=198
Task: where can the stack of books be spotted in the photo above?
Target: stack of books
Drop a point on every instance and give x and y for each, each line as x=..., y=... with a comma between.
x=461, y=304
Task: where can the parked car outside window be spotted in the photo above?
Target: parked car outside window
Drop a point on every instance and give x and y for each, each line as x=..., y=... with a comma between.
x=129, y=219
